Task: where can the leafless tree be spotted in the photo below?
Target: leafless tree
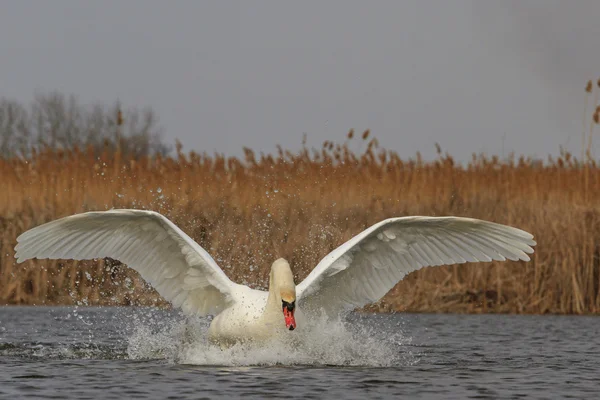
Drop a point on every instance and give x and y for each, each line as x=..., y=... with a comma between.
x=59, y=122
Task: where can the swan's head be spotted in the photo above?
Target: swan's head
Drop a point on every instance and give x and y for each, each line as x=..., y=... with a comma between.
x=284, y=288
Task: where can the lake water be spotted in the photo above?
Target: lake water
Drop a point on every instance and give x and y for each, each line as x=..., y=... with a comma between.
x=117, y=353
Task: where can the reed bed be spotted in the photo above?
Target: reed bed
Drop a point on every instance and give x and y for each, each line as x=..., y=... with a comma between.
x=248, y=212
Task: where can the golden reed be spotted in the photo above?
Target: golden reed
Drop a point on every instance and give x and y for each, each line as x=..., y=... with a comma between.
x=300, y=206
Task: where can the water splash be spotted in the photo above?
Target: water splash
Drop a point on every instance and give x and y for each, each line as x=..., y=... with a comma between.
x=323, y=343
x=139, y=333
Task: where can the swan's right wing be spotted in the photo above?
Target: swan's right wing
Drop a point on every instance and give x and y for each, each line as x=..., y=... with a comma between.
x=176, y=266
x=366, y=267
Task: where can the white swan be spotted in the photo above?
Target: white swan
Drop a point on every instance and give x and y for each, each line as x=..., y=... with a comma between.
x=358, y=272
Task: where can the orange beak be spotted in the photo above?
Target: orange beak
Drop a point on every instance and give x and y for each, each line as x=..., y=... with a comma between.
x=290, y=321
x=288, y=314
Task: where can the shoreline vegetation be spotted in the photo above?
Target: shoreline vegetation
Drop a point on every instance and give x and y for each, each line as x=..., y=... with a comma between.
x=246, y=212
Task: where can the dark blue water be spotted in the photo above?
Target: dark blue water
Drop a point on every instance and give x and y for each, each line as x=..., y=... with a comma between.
x=116, y=353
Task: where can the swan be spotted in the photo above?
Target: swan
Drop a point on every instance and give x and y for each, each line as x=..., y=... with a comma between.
x=358, y=272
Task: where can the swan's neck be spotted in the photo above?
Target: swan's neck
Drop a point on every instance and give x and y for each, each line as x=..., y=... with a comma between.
x=273, y=304
x=282, y=292
x=279, y=291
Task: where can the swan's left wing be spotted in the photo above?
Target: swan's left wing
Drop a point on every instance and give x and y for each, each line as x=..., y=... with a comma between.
x=365, y=268
x=176, y=266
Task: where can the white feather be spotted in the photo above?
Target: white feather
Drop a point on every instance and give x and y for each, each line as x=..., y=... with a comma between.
x=366, y=267
x=176, y=266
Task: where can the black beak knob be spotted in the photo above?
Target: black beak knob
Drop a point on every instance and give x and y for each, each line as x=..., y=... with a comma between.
x=289, y=306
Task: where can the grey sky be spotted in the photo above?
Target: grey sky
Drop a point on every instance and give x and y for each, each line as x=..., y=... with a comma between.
x=227, y=74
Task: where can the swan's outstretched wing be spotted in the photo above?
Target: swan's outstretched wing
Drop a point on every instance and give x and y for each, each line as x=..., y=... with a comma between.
x=176, y=266
x=366, y=267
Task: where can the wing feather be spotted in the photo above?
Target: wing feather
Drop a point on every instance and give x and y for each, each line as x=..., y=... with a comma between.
x=176, y=266
x=366, y=267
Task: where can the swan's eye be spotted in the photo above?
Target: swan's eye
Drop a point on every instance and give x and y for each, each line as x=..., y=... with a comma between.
x=289, y=306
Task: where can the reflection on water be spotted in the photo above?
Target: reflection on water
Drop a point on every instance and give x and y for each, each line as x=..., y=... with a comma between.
x=142, y=352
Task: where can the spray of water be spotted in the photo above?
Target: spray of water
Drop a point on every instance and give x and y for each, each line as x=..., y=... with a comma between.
x=322, y=343
x=168, y=336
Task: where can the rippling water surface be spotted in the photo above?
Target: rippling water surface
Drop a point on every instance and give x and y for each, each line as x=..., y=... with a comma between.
x=102, y=353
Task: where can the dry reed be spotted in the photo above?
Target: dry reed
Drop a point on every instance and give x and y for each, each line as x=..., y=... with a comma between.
x=300, y=206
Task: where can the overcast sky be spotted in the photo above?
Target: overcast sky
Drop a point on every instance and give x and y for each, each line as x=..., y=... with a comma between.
x=468, y=74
